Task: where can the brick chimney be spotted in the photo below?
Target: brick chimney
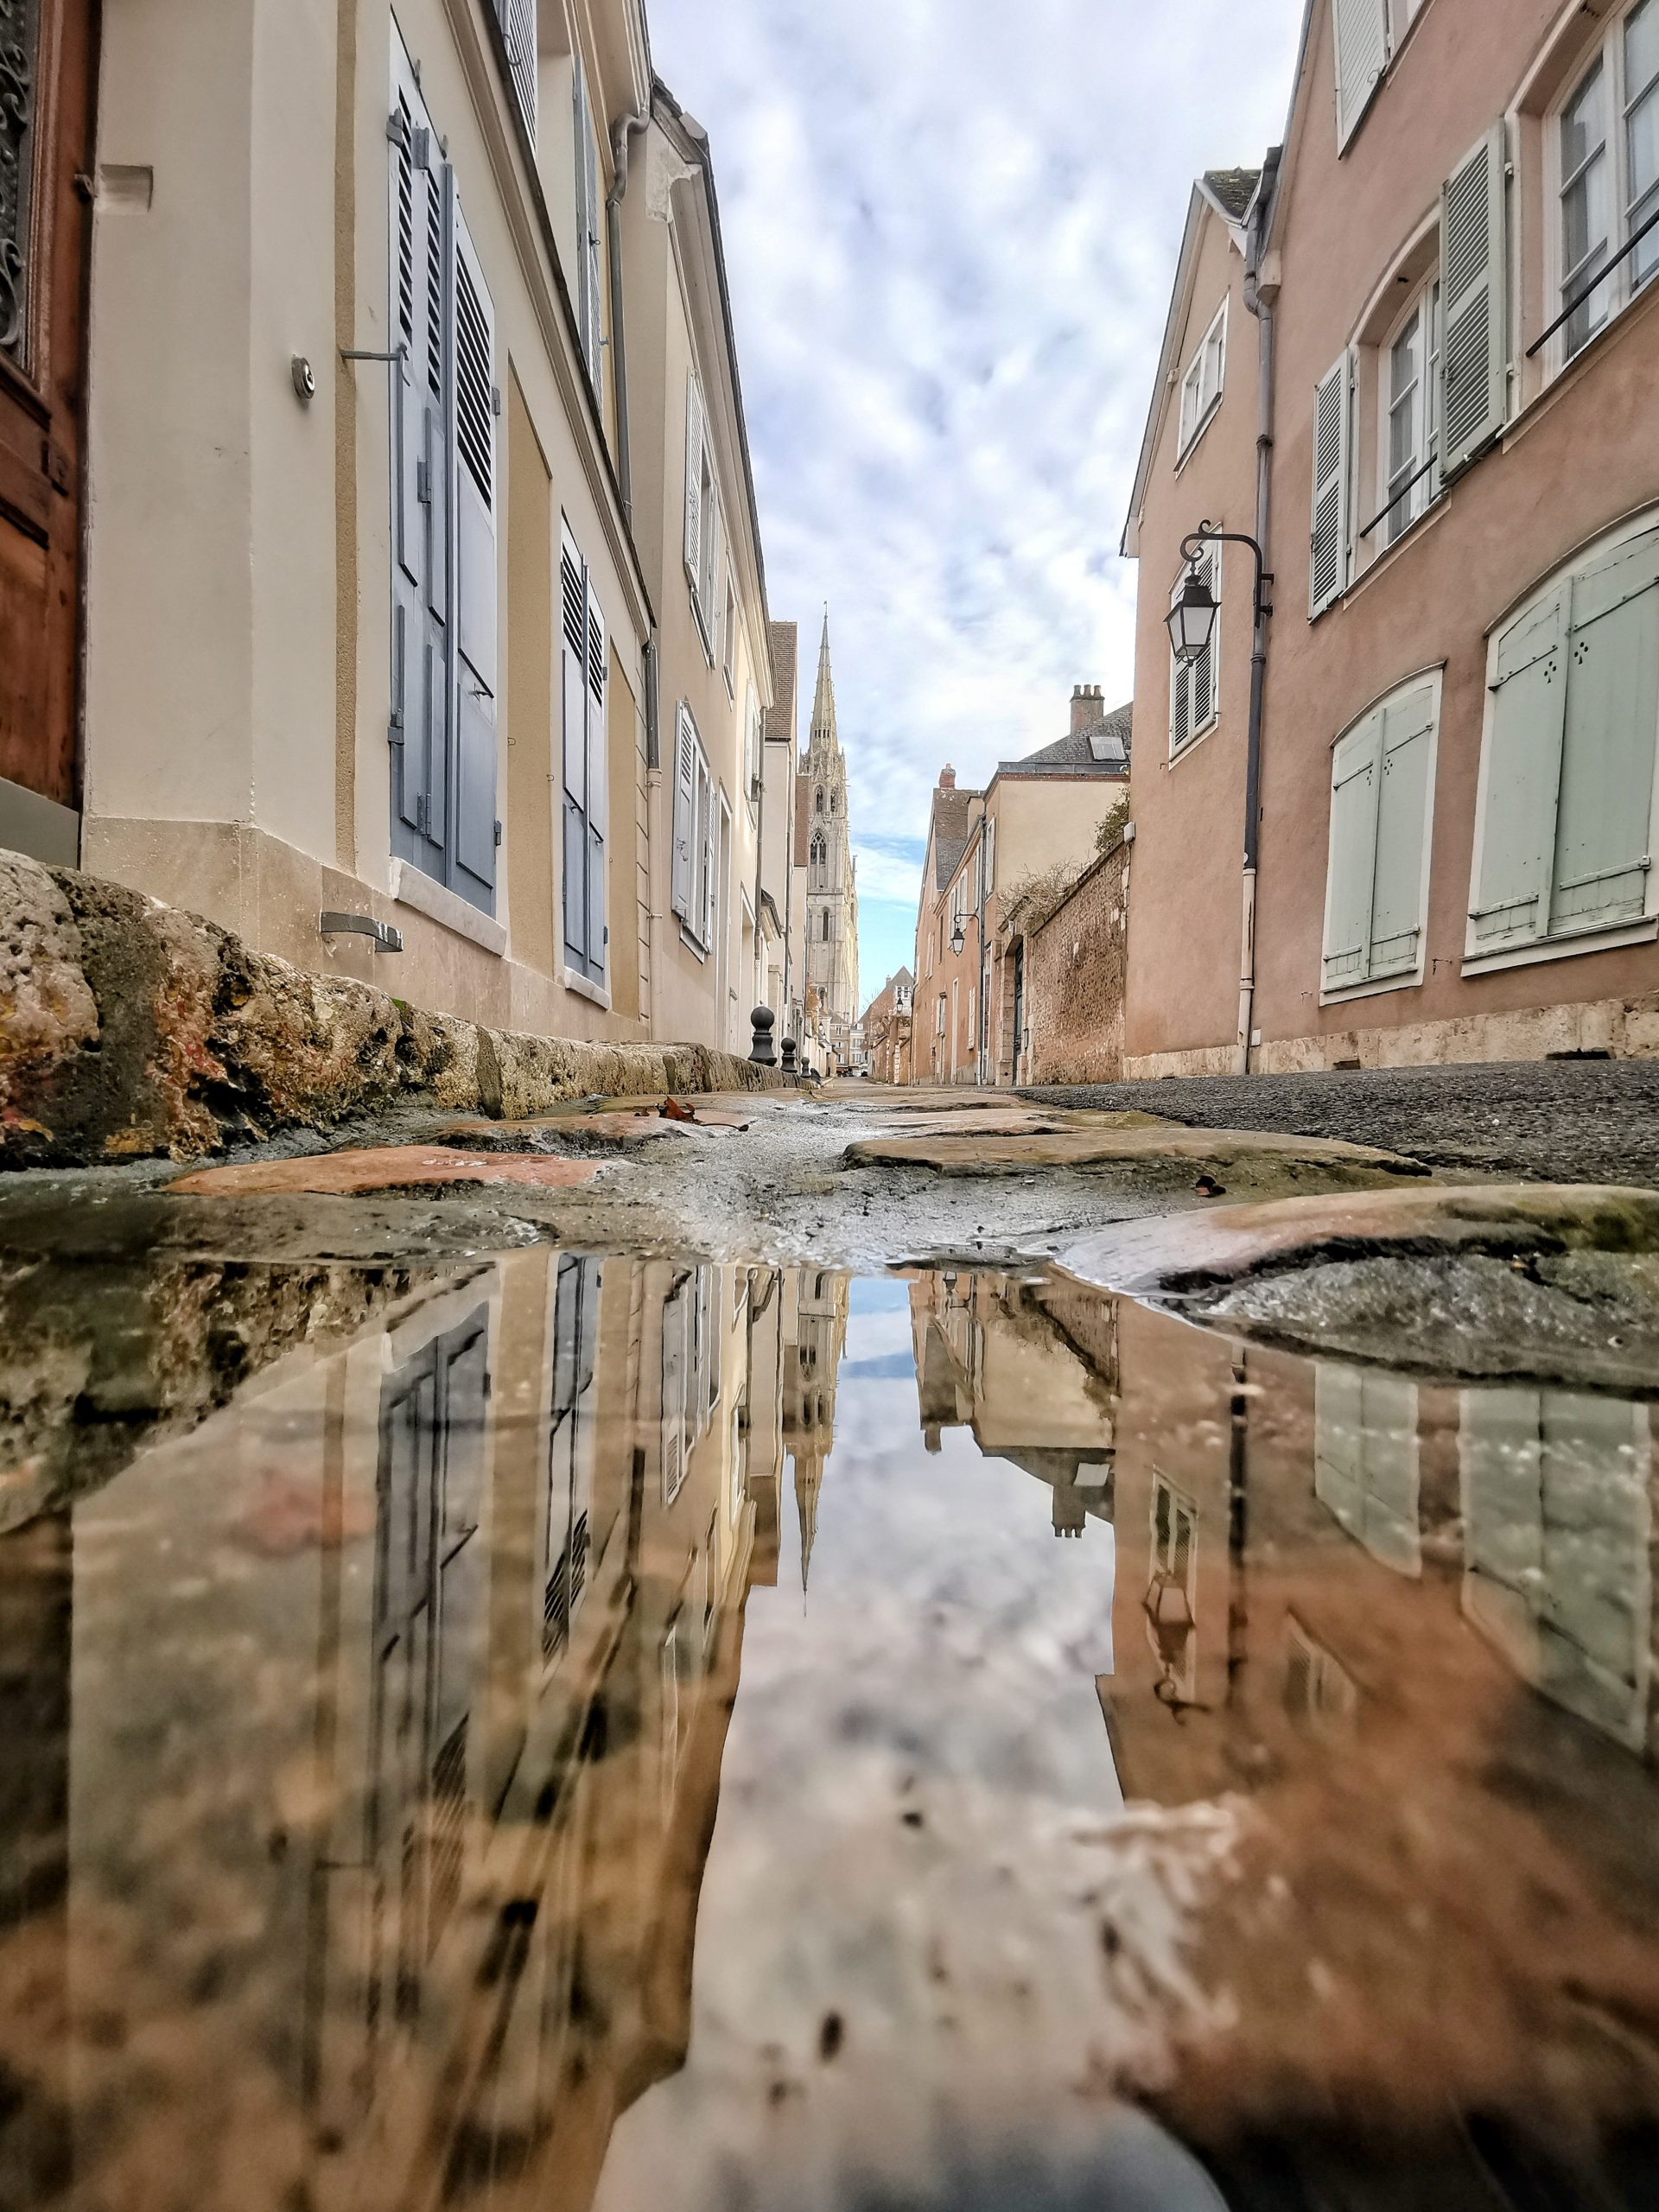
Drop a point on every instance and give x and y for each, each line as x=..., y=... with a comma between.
x=1088, y=708
x=947, y=780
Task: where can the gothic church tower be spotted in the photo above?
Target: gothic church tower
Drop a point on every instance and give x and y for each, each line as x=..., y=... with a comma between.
x=832, y=883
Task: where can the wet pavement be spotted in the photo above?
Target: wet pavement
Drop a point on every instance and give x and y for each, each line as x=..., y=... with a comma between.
x=625, y=1731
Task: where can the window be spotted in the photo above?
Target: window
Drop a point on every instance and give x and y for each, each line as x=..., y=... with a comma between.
x=1195, y=688
x=1382, y=774
x=824, y=926
x=1201, y=385
x=1607, y=135
x=1365, y=1466
x=701, y=535
x=818, y=862
x=728, y=632
x=691, y=891
x=585, y=765
x=1564, y=819
x=1409, y=413
x=1367, y=33
x=517, y=22
x=752, y=777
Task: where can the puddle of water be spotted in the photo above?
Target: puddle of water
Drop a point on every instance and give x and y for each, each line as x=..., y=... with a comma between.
x=594, y=1734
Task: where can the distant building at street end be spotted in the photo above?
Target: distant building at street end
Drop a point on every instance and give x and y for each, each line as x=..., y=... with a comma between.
x=887, y=1028
x=1455, y=470
x=993, y=857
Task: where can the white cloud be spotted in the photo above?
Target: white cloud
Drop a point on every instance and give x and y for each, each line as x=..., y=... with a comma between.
x=951, y=230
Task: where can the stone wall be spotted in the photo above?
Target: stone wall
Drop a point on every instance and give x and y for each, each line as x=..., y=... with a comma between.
x=130, y=1029
x=1075, y=966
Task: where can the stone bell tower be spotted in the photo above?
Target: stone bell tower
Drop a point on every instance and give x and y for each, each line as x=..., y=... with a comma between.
x=831, y=885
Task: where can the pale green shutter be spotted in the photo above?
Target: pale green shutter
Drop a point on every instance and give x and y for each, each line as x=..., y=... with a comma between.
x=1602, y=856
x=1521, y=780
x=1361, y=42
x=1474, y=351
x=1402, y=808
x=1327, y=565
x=1355, y=766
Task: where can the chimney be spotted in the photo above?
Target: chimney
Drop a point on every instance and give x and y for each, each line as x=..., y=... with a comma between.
x=1087, y=707
x=947, y=780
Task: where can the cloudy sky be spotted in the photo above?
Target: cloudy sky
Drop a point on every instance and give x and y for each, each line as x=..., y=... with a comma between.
x=951, y=229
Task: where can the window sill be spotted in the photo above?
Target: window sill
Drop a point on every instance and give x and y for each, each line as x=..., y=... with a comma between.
x=1194, y=741
x=695, y=944
x=1344, y=993
x=585, y=988
x=1611, y=939
x=411, y=887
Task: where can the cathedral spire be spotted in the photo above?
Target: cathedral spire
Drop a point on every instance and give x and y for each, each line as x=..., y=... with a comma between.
x=824, y=704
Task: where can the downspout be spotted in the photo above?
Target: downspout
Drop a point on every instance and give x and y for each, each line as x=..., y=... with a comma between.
x=1264, y=313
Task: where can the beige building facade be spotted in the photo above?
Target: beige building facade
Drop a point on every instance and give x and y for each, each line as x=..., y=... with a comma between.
x=1461, y=715
x=421, y=545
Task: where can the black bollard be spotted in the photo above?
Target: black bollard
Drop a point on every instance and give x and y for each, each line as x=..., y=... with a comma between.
x=789, y=1059
x=762, y=1051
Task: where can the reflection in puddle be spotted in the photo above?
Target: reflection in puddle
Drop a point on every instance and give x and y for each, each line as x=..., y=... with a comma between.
x=1141, y=1742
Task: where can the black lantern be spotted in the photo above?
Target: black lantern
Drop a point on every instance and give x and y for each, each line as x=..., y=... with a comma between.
x=958, y=938
x=1192, y=620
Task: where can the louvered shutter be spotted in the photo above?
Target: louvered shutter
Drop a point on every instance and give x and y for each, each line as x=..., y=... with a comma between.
x=676, y=1375
x=1328, y=553
x=1363, y=45
x=711, y=854
x=1520, y=780
x=1474, y=365
x=693, y=482
x=517, y=22
x=1401, y=810
x=1206, y=671
x=1602, y=855
x=477, y=587
x=685, y=816
x=597, y=789
x=573, y=692
x=421, y=310
x=1355, y=769
x=588, y=294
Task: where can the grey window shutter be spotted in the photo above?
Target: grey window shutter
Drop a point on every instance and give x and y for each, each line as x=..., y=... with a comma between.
x=693, y=481
x=685, y=812
x=1327, y=565
x=1603, y=859
x=573, y=660
x=517, y=22
x=597, y=788
x=1363, y=46
x=1474, y=351
x=477, y=584
x=1355, y=769
x=1521, y=777
x=1403, y=798
x=588, y=292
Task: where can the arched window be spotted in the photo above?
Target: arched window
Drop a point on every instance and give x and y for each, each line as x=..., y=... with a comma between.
x=818, y=858
x=826, y=925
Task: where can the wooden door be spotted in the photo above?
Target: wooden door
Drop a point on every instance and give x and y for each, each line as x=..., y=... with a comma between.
x=46, y=79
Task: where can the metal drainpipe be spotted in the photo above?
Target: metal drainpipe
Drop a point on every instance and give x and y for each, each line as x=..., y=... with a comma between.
x=1263, y=313
x=620, y=138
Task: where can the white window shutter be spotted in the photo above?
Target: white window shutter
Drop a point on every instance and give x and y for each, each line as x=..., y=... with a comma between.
x=1351, y=863
x=1327, y=566
x=598, y=788
x=1363, y=46
x=1603, y=860
x=518, y=21
x=1403, y=801
x=1474, y=351
x=693, y=481
x=710, y=854
x=685, y=815
x=477, y=575
x=1520, y=775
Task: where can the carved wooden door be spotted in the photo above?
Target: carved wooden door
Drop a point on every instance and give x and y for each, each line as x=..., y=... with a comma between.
x=47, y=81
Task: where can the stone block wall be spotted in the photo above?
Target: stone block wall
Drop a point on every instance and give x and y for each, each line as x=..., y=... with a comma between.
x=1076, y=963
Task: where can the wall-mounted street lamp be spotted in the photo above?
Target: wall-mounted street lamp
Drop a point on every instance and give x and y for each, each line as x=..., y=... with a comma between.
x=958, y=938
x=1192, y=620
x=1192, y=624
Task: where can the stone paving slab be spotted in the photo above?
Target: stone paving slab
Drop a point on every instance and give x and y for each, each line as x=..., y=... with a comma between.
x=1220, y=1151
x=385, y=1167
x=1222, y=1243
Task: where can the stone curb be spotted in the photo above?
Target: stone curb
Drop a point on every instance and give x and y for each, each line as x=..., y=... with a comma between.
x=130, y=1030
